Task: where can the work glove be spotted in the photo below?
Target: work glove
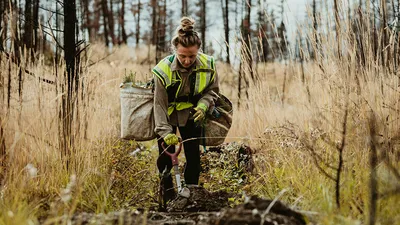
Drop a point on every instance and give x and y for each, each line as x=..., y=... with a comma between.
x=171, y=139
x=200, y=113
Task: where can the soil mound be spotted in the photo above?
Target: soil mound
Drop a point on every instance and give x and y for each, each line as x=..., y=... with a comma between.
x=200, y=200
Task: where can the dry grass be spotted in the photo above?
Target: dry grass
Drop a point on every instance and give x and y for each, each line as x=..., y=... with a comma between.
x=37, y=184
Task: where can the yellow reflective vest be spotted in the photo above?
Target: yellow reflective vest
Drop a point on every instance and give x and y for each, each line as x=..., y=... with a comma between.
x=205, y=73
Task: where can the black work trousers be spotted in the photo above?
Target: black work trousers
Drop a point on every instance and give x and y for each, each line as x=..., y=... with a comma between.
x=192, y=152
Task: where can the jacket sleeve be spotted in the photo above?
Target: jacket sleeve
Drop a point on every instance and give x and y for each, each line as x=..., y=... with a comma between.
x=210, y=93
x=162, y=126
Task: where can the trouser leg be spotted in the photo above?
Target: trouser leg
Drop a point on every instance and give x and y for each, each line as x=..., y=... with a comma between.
x=192, y=153
x=164, y=165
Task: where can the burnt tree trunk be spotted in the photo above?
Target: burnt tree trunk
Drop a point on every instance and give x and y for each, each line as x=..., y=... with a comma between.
x=35, y=17
x=337, y=28
x=246, y=48
x=15, y=38
x=95, y=23
x=71, y=78
x=203, y=25
x=184, y=8
x=162, y=28
x=154, y=27
x=225, y=13
x=88, y=23
x=315, y=29
x=104, y=9
x=28, y=40
x=138, y=23
x=384, y=33
x=122, y=23
x=110, y=20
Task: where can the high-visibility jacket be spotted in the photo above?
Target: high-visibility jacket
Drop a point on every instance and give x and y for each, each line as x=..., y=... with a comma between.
x=204, y=76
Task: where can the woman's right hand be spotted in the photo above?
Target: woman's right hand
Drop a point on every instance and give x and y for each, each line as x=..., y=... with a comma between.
x=171, y=139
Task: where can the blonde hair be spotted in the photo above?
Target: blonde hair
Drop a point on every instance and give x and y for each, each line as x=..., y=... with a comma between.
x=185, y=34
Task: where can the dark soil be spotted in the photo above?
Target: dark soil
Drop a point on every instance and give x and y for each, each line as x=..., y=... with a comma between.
x=200, y=200
x=203, y=208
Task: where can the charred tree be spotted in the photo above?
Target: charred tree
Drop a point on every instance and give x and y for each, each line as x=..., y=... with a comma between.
x=28, y=28
x=161, y=44
x=154, y=13
x=384, y=34
x=87, y=23
x=104, y=9
x=315, y=30
x=70, y=80
x=95, y=23
x=246, y=42
x=136, y=9
x=282, y=38
x=184, y=8
x=337, y=28
x=15, y=31
x=35, y=17
x=122, y=23
x=263, y=26
x=110, y=20
x=202, y=15
x=225, y=14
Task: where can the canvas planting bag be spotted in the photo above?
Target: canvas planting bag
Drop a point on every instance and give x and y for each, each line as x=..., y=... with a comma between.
x=218, y=122
x=137, y=116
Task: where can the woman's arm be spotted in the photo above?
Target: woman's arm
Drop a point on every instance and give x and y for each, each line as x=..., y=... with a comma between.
x=161, y=109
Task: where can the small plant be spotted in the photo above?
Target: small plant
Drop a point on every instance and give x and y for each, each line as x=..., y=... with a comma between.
x=129, y=78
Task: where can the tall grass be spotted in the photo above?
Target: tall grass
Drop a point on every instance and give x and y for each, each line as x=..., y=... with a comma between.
x=284, y=136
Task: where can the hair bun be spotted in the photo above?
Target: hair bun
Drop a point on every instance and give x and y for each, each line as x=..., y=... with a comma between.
x=186, y=27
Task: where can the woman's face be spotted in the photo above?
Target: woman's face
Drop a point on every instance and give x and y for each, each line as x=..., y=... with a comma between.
x=187, y=55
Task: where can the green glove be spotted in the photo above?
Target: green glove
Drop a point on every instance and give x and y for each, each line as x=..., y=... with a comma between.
x=171, y=139
x=200, y=113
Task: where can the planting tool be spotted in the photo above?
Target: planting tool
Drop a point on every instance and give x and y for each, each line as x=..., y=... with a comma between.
x=182, y=191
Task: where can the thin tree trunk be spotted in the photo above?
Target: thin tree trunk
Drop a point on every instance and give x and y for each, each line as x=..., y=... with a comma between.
x=122, y=23
x=9, y=86
x=28, y=25
x=384, y=33
x=111, y=23
x=184, y=8
x=240, y=83
x=154, y=22
x=203, y=24
x=225, y=13
x=337, y=28
x=105, y=22
x=138, y=24
x=315, y=30
x=88, y=22
x=15, y=33
x=36, y=25
x=373, y=163
x=247, y=48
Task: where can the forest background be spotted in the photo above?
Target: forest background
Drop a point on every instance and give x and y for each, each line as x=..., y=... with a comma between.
x=319, y=106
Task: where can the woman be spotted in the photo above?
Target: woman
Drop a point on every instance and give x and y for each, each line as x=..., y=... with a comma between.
x=186, y=86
